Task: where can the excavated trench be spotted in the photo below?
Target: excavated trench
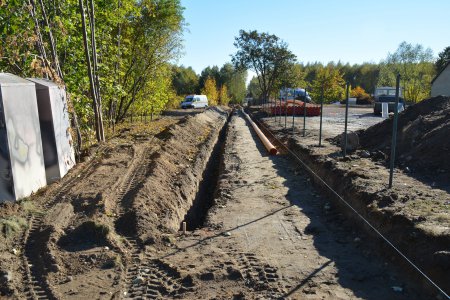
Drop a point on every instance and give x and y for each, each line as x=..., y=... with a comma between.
x=204, y=199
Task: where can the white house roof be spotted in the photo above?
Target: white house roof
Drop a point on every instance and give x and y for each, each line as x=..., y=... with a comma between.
x=438, y=74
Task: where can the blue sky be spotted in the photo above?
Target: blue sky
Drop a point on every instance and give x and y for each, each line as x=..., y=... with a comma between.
x=315, y=30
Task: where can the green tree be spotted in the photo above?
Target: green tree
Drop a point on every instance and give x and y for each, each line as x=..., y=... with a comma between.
x=157, y=93
x=311, y=70
x=442, y=60
x=414, y=64
x=134, y=41
x=184, y=80
x=90, y=49
x=253, y=89
x=329, y=79
x=367, y=76
x=265, y=54
x=235, y=82
x=208, y=72
x=293, y=77
x=155, y=38
x=236, y=86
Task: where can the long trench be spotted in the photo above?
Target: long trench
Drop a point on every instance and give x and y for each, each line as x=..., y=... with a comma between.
x=204, y=199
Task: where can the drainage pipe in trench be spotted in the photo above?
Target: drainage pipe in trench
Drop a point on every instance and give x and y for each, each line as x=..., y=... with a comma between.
x=271, y=148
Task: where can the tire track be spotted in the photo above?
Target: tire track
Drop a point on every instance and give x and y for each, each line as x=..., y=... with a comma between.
x=35, y=266
x=144, y=276
x=125, y=198
x=155, y=279
x=257, y=275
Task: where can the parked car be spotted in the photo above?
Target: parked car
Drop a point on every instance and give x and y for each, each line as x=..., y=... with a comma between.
x=377, y=107
x=386, y=91
x=195, y=101
x=295, y=94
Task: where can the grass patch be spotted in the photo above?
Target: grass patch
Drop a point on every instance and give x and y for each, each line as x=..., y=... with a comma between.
x=30, y=207
x=12, y=225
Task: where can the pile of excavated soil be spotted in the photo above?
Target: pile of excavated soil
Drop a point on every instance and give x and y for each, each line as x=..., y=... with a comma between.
x=423, y=144
x=171, y=187
x=72, y=249
x=87, y=229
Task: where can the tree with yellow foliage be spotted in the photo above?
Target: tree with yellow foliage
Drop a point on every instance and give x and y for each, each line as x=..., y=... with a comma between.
x=359, y=93
x=223, y=95
x=210, y=90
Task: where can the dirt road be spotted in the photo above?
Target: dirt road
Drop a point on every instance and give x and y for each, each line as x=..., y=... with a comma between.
x=270, y=235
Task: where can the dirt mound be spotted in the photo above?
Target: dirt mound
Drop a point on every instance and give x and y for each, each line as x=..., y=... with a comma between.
x=170, y=189
x=423, y=144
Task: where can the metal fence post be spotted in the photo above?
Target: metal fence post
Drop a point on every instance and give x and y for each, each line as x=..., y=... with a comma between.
x=321, y=114
x=394, y=131
x=285, y=109
x=293, y=114
x=346, y=121
x=304, y=115
x=279, y=120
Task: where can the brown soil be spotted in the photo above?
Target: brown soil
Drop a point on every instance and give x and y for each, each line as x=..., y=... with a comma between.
x=423, y=145
x=271, y=235
x=111, y=228
x=413, y=215
x=85, y=229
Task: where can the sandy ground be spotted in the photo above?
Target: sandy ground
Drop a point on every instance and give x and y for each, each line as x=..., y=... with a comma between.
x=110, y=229
x=271, y=235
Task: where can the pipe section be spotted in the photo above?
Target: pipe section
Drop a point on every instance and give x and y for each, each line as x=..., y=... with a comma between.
x=271, y=148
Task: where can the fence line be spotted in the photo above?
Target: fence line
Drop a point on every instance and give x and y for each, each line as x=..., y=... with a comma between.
x=356, y=212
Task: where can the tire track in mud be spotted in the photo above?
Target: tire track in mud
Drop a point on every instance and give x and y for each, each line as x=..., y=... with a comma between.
x=257, y=275
x=154, y=279
x=125, y=200
x=144, y=278
x=36, y=285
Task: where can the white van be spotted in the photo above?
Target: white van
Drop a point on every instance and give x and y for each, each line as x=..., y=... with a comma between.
x=195, y=101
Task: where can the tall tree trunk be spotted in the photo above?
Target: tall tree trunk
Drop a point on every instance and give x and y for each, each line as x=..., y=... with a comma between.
x=61, y=79
x=52, y=41
x=95, y=69
x=113, y=102
x=40, y=41
x=91, y=78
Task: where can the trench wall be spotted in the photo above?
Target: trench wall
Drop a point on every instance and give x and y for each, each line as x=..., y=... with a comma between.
x=176, y=174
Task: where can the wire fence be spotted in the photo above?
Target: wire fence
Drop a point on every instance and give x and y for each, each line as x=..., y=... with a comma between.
x=278, y=117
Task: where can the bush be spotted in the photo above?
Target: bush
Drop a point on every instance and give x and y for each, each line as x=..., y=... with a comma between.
x=359, y=93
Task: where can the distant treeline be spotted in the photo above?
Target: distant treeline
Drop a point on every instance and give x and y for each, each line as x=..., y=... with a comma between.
x=221, y=86
x=414, y=63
